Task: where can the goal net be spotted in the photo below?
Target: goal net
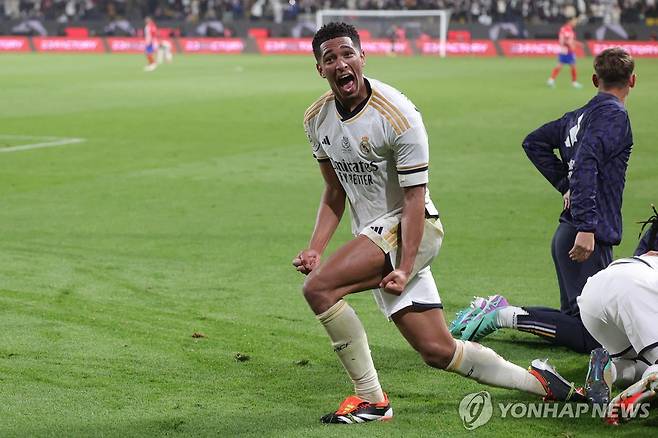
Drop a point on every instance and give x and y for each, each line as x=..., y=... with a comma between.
x=392, y=25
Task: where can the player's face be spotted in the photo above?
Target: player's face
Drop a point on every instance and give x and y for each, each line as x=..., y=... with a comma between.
x=341, y=63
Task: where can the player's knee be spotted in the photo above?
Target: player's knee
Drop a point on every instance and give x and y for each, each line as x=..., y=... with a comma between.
x=312, y=287
x=315, y=291
x=436, y=354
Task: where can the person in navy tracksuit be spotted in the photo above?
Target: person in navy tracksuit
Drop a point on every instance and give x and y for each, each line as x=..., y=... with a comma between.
x=593, y=146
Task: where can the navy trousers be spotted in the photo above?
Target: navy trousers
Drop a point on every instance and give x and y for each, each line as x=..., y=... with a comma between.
x=564, y=327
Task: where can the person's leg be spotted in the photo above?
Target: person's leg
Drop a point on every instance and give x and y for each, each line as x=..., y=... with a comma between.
x=358, y=265
x=554, y=73
x=573, y=275
x=608, y=312
x=627, y=369
x=149, y=58
x=637, y=286
x=605, y=363
x=561, y=327
x=565, y=327
x=574, y=75
x=557, y=328
x=562, y=239
x=427, y=333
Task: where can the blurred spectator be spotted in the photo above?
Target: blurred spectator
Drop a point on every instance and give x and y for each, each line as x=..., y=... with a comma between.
x=211, y=26
x=12, y=9
x=29, y=27
x=610, y=14
x=508, y=17
x=119, y=27
x=303, y=29
x=611, y=20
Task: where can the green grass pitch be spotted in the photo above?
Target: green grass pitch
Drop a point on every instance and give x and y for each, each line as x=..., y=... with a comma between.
x=182, y=208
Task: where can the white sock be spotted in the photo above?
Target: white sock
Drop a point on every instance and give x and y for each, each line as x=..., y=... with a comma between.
x=482, y=364
x=625, y=372
x=351, y=345
x=506, y=317
x=650, y=370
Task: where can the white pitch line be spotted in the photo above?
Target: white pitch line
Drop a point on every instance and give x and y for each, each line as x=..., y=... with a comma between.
x=46, y=144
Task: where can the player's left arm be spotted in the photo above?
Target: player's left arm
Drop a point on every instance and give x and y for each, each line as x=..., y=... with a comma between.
x=411, y=151
x=411, y=227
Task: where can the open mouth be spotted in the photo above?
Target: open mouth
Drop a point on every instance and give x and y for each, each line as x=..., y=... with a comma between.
x=346, y=83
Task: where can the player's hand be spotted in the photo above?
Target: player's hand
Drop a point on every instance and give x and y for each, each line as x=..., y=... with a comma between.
x=306, y=261
x=651, y=253
x=566, y=200
x=583, y=247
x=395, y=282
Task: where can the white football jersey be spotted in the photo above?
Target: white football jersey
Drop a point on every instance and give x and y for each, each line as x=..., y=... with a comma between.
x=375, y=153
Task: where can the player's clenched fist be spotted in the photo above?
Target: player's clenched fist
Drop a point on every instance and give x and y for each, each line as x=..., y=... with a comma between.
x=306, y=261
x=395, y=282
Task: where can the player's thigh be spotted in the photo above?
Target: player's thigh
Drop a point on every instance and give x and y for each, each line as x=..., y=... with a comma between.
x=385, y=232
x=358, y=265
x=639, y=307
x=606, y=333
x=599, y=312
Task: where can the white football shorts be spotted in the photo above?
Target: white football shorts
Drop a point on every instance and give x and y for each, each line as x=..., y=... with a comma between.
x=619, y=307
x=421, y=291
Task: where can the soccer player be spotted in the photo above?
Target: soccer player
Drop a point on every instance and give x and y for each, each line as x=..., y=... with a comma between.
x=594, y=144
x=151, y=43
x=618, y=307
x=372, y=150
x=567, y=56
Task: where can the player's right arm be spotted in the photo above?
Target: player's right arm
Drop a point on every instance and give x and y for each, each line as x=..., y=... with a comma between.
x=330, y=211
x=540, y=145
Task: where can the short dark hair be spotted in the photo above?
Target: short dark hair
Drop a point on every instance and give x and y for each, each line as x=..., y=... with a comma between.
x=334, y=30
x=614, y=67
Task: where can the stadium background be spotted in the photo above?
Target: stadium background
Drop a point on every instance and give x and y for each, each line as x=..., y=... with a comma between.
x=145, y=278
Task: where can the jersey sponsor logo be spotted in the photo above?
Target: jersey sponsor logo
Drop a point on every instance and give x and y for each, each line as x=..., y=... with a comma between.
x=355, y=172
x=365, y=145
x=325, y=141
x=355, y=166
x=573, y=133
x=378, y=230
x=345, y=143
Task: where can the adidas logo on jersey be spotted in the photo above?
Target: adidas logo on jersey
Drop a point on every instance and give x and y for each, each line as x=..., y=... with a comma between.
x=378, y=230
x=325, y=141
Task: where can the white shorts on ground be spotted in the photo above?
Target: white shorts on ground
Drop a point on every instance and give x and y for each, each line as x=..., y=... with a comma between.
x=619, y=307
x=421, y=290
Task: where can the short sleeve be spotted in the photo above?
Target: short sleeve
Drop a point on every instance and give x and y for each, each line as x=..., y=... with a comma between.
x=411, y=149
x=316, y=145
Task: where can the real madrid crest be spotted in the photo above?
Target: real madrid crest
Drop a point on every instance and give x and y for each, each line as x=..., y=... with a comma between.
x=365, y=145
x=345, y=143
